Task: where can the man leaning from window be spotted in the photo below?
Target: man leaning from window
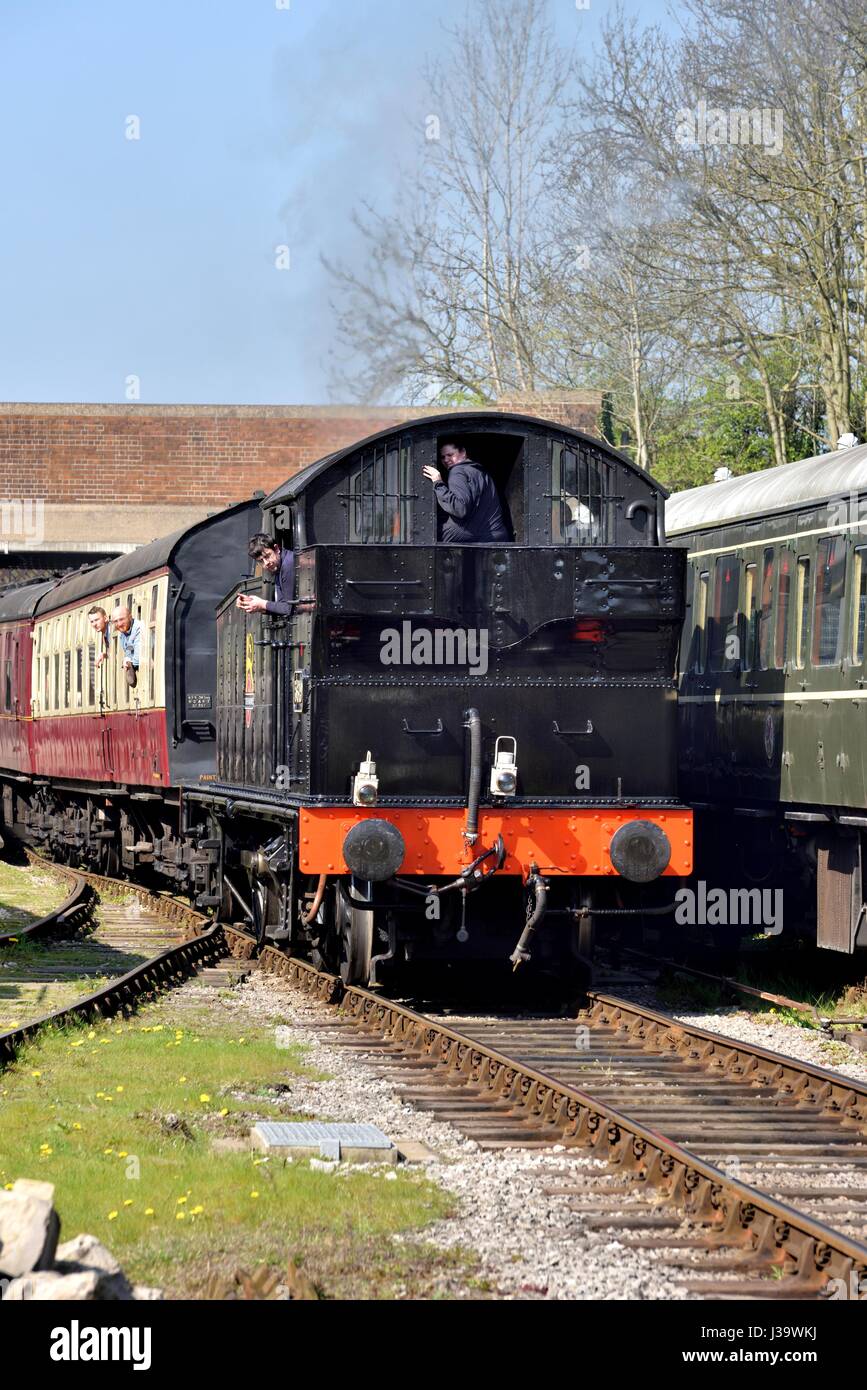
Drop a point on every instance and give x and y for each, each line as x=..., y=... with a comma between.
x=128, y=631
x=280, y=565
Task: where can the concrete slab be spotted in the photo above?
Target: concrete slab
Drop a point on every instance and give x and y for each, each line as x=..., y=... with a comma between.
x=345, y=1143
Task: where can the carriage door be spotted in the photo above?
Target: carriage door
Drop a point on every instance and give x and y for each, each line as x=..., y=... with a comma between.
x=104, y=682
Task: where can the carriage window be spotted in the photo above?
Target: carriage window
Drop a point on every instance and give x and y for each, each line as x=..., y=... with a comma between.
x=859, y=599
x=152, y=644
x=748, y=626
x=725, y=606
x=7, y=700
x=764, y=614
x=828, y=604
x=91, y=674
x=577, y=492
x=67, y=668
x=784, y=587
x=55, y=703
x=380, y=497
x=79, y=674
x=701, y=588
x=802, y=611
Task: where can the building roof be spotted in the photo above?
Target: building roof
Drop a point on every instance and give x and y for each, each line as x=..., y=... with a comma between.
x=790, y=486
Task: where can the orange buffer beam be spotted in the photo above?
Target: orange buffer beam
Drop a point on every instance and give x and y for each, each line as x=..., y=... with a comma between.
x=560, y=841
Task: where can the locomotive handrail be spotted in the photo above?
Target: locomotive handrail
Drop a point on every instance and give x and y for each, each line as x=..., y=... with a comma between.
x=409, y=730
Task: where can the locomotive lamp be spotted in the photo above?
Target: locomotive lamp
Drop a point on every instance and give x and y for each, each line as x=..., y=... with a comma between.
x=504, y=773
x=365, y=783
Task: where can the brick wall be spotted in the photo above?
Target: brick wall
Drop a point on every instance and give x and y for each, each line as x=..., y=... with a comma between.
x=110, y=477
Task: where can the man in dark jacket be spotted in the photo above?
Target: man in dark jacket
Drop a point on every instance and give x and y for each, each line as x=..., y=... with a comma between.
x=280, y=564
x=469, y=499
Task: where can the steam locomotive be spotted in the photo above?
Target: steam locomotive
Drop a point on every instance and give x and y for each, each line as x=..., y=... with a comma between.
x=443, y=751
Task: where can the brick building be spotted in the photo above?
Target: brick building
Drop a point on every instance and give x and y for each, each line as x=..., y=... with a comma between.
x=78, y=482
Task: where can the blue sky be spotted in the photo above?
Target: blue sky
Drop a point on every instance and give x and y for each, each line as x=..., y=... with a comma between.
x=259, y=126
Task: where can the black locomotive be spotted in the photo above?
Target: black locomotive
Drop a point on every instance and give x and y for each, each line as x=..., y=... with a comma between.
x=449, y=751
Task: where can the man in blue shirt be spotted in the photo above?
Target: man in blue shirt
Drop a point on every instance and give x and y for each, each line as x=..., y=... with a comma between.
x=280, y=565
x=128, y=631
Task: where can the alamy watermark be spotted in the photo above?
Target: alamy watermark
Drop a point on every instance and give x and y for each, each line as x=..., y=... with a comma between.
x=760, y=908
x=439, y=646
x=22, y=521
x=760, y=126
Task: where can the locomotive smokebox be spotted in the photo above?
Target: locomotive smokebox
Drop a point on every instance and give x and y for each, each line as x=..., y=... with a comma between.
x=640, y=851
x=374, y=850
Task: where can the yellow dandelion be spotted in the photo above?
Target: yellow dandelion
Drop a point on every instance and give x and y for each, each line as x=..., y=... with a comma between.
x=7, y=1186
x=108, y=1151
x=122, y=1153
x=91, y=1034
x=254, y=1193
x=180, y=1201
x=148, y=1211
x=180, y=1215
x=78, y=1043
x=76, y=1125
x=104, y=1042
x=128, y=1202
x=196, y=1211
x=182, y=1079
x=224, y=1111
x=36, y=1073
x=118, y=1088
x=112, y=1216
x=204, y=1097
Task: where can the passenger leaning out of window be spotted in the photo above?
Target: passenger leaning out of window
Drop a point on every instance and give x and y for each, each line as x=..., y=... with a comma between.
x=98, y=619
x=469, y=498
x=129, y=635
x=280, y=565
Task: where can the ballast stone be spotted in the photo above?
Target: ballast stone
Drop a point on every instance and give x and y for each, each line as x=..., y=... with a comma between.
x=29, y=1228
x=341, y=1143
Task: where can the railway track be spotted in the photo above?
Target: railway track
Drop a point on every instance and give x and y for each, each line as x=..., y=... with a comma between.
x=745, y=1169
x=133, y=942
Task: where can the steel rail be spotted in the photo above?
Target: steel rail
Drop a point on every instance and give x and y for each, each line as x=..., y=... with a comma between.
x=734, y=1213
x=205, y=943
x=73, y=912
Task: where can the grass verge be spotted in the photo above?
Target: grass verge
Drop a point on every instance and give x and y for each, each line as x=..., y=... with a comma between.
x=123, y=1119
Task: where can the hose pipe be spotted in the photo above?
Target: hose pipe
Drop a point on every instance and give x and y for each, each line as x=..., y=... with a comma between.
x=521, y=953
x=473, y=722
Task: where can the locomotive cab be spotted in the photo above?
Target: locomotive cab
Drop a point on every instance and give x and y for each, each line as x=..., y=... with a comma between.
x=454, y=751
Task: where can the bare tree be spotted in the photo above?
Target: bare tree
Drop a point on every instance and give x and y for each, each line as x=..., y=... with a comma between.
x=454, y=293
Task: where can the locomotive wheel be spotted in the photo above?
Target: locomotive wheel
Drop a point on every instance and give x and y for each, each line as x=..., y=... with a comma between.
x=355, y=941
